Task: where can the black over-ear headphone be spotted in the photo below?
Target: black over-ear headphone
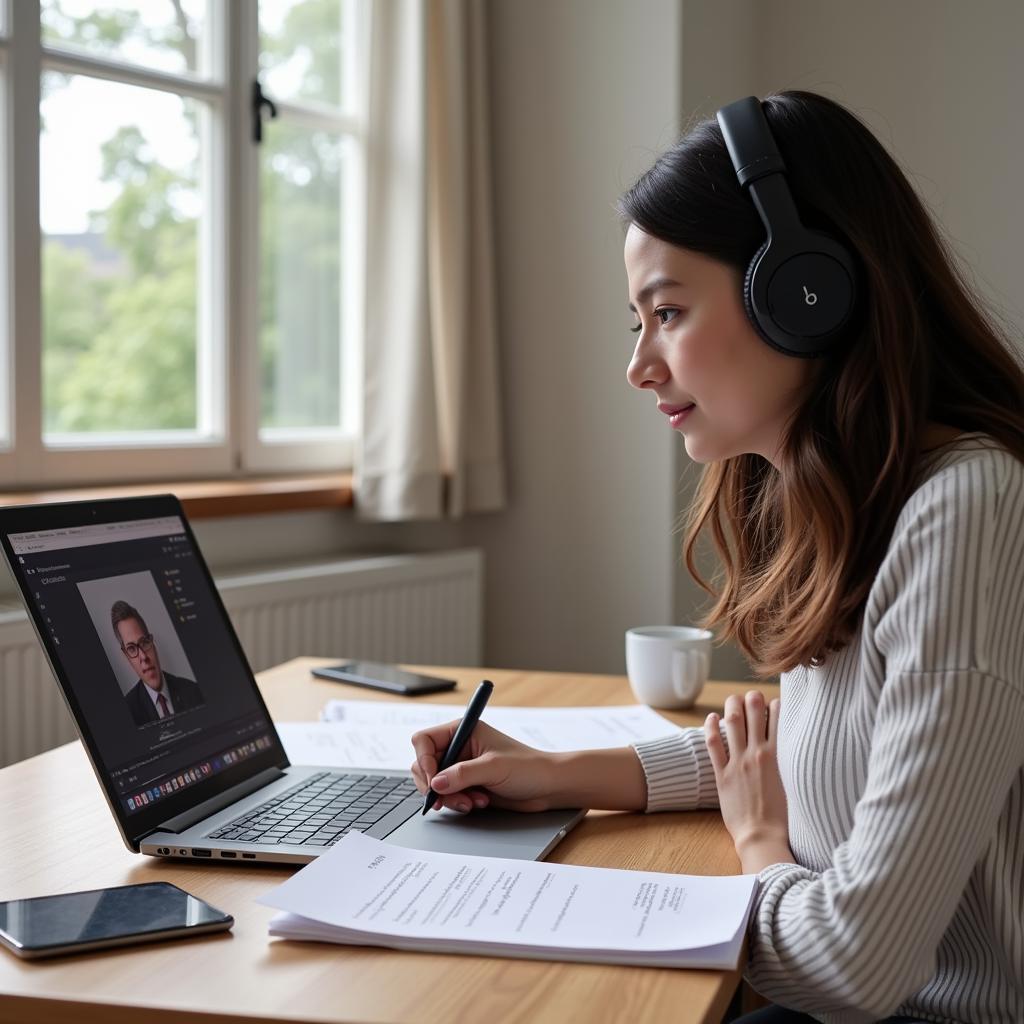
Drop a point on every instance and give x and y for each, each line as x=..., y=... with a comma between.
x=800, y=290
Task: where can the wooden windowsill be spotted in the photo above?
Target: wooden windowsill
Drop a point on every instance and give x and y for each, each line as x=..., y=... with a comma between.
x=213, y=499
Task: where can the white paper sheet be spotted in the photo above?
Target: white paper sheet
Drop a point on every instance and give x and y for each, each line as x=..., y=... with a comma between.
x=367, y=892
x=343, y=745
x=391, y=725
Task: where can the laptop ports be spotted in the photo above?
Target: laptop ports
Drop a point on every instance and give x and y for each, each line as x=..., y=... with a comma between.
x=201, y=853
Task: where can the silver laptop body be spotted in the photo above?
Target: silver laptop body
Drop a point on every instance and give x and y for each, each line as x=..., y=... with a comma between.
x=487, y=833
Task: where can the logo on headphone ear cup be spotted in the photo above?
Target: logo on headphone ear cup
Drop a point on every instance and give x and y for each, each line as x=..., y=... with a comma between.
x=800, y=297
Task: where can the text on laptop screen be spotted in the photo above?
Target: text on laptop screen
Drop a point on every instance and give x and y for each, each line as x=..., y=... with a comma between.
x=143, y=645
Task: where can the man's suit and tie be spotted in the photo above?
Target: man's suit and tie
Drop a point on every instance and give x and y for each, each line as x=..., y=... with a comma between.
x=183, y=694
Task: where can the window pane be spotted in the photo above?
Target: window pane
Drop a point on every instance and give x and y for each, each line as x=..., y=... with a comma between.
x=300, y=332
x=162, y=34
x=119, y=210
x=301, y=47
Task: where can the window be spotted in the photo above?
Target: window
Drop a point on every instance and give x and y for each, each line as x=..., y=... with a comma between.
x=186, y=299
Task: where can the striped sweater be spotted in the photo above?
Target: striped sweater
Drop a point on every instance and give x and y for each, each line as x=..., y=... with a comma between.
x=902, y=758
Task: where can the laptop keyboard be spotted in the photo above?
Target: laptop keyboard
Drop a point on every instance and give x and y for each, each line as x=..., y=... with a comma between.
x=320, y=810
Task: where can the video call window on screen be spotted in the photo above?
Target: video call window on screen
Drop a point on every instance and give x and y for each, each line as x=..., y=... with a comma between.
x=142, y=645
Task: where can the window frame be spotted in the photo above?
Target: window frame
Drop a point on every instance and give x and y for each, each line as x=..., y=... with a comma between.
x=228, y=440
x=305, y=450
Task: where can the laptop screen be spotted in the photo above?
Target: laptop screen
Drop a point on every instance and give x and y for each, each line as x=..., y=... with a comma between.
x=163, y=692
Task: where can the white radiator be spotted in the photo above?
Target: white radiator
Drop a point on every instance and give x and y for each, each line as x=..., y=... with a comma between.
x=422, y=608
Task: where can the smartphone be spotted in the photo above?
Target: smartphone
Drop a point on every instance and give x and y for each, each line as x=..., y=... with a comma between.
x=76, y=922
x=384, y=677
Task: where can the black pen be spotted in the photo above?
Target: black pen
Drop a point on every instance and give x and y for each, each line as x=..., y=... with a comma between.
x=462, y=734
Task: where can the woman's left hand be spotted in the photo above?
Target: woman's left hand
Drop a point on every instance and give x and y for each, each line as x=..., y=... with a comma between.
x=750, y=792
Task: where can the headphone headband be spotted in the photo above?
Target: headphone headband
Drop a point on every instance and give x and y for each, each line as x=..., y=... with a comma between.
x=800, y=290
x=749, y=140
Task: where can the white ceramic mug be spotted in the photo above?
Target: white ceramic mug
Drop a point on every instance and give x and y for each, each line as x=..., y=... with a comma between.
x=668, y=665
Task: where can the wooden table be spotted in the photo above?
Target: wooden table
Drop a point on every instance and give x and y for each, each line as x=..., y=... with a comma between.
x=56, y=835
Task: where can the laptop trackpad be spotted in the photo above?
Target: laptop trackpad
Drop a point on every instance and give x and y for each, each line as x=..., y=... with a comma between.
x=489, y=833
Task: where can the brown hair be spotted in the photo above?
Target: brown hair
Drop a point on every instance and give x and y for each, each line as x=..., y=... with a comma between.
x=800, y=545
x=120, y=612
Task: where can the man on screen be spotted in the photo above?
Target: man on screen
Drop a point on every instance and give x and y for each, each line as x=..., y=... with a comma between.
x=157, y=694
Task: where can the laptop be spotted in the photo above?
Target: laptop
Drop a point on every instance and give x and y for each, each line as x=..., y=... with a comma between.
x=170, y=714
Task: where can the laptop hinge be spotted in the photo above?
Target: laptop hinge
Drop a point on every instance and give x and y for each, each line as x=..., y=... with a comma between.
x=185, y=820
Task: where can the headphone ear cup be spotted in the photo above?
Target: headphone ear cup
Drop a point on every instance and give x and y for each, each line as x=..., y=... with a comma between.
x=748, y=305
x=768, y=268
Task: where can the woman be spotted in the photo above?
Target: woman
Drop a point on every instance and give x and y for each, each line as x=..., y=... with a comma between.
x=867, y=507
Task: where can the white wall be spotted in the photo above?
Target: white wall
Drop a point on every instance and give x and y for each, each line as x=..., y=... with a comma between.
x=584, y=94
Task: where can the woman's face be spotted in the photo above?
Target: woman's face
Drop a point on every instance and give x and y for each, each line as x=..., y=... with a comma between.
x=697, y=349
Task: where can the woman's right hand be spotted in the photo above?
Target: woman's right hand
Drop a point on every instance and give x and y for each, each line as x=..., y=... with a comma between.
x=493, y=770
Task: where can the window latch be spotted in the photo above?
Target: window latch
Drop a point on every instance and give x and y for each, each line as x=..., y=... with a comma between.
x=260, y=102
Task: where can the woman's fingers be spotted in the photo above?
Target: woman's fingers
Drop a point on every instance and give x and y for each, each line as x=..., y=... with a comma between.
x=748, y=721
x=757, y=726
x=773, y=721
x=426, y=754
x=457, y=801
x=429, y=744
x=481, y=772
x=470, y=799
x=713, y=739
x=460, y=802
x=735, y=724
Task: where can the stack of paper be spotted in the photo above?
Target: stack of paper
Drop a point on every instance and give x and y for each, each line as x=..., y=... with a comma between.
x=375, y=734
x=367, y=892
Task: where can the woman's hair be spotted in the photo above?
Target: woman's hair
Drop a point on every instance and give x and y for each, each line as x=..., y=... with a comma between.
x=801, y=544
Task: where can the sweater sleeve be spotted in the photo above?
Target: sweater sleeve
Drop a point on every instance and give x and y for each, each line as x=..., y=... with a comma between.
x=860, y=938
x=678, y=771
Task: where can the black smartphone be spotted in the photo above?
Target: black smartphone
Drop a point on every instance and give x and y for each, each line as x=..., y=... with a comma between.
x=75, y=922
x=384, y=677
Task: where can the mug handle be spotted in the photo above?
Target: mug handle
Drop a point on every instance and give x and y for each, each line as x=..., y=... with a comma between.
x=687, y=666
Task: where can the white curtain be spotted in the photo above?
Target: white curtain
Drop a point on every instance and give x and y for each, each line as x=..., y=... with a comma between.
x=431, y=438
